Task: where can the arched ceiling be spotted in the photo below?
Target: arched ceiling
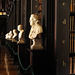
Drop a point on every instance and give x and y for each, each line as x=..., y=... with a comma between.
x=5, y=5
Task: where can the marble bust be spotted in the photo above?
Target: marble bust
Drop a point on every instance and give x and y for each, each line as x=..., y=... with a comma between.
x=35, y=33
x=7, y=36
x=21, y=39
x=10, y=35
x=14, y=38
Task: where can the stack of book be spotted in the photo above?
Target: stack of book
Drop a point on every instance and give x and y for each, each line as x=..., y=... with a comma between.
x=72, y=5
x=40, y=9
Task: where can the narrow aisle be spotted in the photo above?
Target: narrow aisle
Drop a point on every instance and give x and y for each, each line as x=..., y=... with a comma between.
x=6, y=66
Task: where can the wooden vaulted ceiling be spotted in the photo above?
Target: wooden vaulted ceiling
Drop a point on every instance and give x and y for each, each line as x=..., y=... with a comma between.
x=5, y=5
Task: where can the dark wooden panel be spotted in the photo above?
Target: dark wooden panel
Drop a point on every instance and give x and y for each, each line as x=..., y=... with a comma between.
x=62, y=43
x=34, y=6
x=27, y=24
x=3, y=4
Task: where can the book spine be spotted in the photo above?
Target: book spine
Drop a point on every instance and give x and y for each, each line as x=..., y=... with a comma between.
x=71, y=5
x=70, y=65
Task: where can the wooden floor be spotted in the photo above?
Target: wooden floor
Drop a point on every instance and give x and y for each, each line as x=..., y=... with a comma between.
x=6, y=65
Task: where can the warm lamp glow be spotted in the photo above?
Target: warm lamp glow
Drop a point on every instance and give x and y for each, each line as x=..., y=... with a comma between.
x=4, y=13
x=0, y=13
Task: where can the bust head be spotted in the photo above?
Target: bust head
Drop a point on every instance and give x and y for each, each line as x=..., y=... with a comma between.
x=33, y=19
x=21, y=34
x=36, y=28
x=10, y=32
x=20, y=27
x=14, y=31
x=7, y=36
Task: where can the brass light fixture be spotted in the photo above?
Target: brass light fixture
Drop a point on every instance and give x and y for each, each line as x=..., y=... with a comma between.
x=0, y=13
x=3, y=13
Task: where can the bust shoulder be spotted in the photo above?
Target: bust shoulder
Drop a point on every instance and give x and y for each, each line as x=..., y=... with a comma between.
x=21, y=31
x=39, y=29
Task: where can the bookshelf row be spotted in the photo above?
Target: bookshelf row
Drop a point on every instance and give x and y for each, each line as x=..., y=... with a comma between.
x=72, y=42
x=72, y=5
x=72, y=23
x=40, y=9
x=72, y=65
x=72, y=13
x=72, y=38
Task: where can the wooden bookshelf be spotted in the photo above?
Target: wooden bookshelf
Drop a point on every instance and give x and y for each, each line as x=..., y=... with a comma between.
x=40, y=1
x=72, y=5
x=72, y=13
x=72, y=38
x=40, y=9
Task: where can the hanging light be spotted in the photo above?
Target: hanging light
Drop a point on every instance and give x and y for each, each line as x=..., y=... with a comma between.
x=0, y=13
x=4, y=13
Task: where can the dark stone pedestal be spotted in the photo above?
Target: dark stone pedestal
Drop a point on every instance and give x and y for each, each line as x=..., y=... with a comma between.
x=24, y=57
x=38, y=62
x=15, y=50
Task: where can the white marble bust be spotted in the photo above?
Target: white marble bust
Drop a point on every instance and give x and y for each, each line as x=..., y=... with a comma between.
x=7, y=36
x=14, y=38
x=35, y=32
x=21, y=39
x=10, y=35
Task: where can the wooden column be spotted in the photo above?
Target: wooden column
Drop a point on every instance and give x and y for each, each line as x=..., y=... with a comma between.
x=34, y=6
x=18, y=21
x=0, y=5
x=23, y=12
x=3, y=5
x=27, y=24
x=19, y=11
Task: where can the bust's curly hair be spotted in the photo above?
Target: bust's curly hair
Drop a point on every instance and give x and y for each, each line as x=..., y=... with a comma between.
x=36, y=18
